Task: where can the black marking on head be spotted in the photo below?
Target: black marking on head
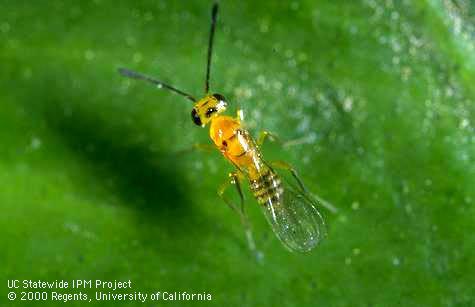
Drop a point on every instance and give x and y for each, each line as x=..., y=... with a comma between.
x=219, y=97
x=225, y=143
x=196, y=118
x=210, y=111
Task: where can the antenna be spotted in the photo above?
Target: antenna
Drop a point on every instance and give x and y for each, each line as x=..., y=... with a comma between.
x=214, y=14
x=138, y=76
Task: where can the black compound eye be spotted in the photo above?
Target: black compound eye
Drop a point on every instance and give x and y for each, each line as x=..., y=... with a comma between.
x=210, y=111
x=196, y=118
x=219, y=97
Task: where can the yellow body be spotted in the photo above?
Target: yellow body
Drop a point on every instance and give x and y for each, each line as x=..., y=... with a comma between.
x=239, y=148
x=236, y=145
x=290, y=212
x=292, y=216
x=232, y=140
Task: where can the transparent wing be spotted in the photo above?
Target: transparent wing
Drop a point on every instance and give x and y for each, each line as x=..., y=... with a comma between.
x=295, y=220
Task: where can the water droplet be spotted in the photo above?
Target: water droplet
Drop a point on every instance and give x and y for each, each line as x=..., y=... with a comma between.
x=348, y=104
x=5, y=27
x=89, y=55
x=406, y=73
x=343, y=218
x=464, y=123
x=264, y=26
x=198, y=165
x=27, y=73
x=396, y=60
x=289, y=53
x=292, y=90
x=394, y=15
x=148, y=16
x=35, y=143
x=449, y=92
x=243, y=92
x=277, y=85
x=396, y=261
x=261, y=80
x=130, y=41
x=74, y=228
x=137, y=57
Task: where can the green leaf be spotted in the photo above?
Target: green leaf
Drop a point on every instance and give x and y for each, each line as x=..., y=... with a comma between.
x=378, y=95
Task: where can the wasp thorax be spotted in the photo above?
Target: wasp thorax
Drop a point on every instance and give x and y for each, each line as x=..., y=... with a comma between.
x=208, y=107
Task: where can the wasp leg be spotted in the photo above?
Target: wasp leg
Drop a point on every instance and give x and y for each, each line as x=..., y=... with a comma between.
x=264, y=135
x=197, y=147
x=268, y=135
x=286, y=166
x=239, y=209
x=240, y=115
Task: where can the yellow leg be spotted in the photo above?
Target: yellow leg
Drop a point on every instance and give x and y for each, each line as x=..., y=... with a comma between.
x=239, y=209
x=240, y=115
x=267, y=135
x=264, y=135
x=197, y=147
x=286, y=166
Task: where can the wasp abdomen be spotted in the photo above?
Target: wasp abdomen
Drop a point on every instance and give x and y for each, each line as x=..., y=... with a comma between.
x=267, y=188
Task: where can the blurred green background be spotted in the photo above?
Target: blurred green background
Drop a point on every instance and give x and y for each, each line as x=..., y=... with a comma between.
x=380, y=92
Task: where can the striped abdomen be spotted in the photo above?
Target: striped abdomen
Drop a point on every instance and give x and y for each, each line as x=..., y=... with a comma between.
x=267, y=188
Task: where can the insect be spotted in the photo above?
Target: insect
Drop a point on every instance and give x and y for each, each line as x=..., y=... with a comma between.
x=289, y=208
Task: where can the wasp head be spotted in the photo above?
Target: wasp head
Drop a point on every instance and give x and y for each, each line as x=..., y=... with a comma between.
x=208, y=107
